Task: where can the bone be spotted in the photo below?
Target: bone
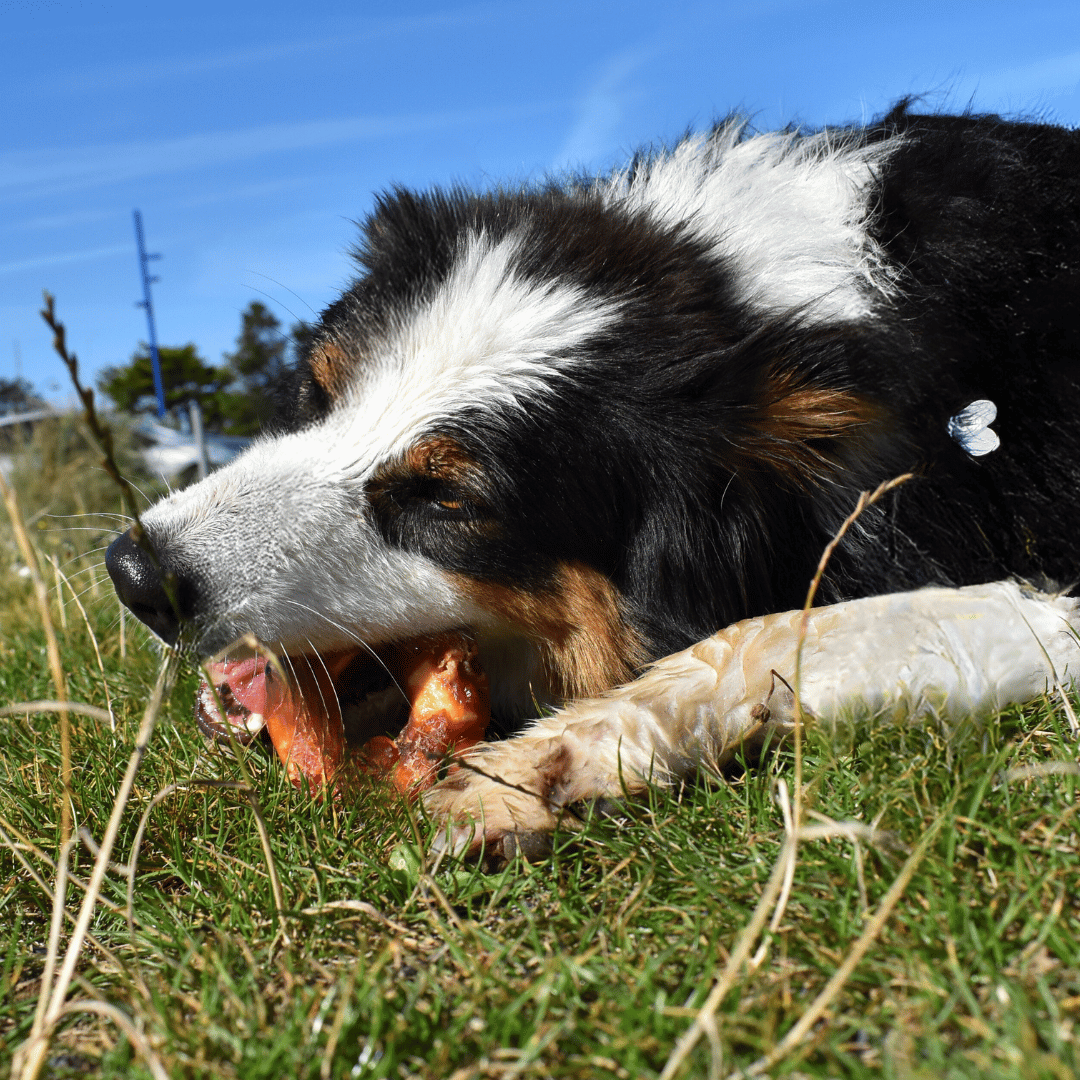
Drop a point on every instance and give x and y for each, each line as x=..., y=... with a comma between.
x=310, y=741
x=449, y=711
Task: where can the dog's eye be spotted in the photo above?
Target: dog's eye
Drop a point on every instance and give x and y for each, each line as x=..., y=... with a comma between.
x=453, y=507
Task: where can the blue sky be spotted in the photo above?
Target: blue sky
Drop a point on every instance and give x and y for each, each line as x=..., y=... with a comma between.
x=252, y=136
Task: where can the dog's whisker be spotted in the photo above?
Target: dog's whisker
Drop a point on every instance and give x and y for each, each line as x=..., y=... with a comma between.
x=76, y=596
x=355, y=638
x=330, y=681
x=142, y=494
x=91, y=515
x=88, y=566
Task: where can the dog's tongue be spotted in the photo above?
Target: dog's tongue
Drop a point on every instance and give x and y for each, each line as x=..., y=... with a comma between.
x=302, y=719
x=247, y=680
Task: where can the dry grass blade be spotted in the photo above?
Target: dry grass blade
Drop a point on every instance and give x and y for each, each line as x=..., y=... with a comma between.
x=62, y=577
x=1059, y=689
x=738, y=957
x=41, y=594
x=140, y=832
x=21, y=708
x=784, y=870
x=789, y=875
x=866, y=499
x=123, y=1022
x=805, y=1022
x=51, y=895
x=30, y=1057
x=1043, y=769
x=361, y=906
x=59, y=594
x=55, y=928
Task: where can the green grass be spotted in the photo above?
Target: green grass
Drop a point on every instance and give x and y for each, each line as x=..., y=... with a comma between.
x=591, y=963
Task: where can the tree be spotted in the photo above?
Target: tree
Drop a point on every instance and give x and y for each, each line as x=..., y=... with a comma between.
x=259, y=365
x=237, y=397
x=17, y=395
x=185, y=376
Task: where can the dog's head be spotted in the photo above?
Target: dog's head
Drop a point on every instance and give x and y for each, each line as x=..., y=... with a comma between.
x=536, y=417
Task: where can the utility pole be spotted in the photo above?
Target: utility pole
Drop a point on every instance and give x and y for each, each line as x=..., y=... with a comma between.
x=144, y=270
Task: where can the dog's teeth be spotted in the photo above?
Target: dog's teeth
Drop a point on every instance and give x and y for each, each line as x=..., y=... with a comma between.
x=254, y=723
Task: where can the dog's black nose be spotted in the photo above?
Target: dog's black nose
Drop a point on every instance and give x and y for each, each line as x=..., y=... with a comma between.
x=139, y=585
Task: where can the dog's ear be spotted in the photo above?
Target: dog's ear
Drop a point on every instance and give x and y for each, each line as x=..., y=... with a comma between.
x=801, y=429
x=792, y=413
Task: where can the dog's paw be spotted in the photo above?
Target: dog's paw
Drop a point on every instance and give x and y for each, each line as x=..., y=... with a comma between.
x=501, y=799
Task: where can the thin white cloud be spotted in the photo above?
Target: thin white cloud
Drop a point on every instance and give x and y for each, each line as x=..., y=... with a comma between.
x=601, y=111
x=38, y=172
x=60, y=221
x=346, y=35
x=61, y=258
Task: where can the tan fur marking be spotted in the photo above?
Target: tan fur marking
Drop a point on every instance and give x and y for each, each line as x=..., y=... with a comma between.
x=439, y=456
x=585, y=645
x=794, y=422
x=331, y=366
x=553, y=771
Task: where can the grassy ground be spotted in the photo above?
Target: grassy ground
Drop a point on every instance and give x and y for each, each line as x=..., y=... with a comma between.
x=591, y=963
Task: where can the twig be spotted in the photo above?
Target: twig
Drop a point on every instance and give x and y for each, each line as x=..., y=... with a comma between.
x=102, y=433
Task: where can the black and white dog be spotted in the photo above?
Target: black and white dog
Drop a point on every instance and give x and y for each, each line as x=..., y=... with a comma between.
x=592, y=422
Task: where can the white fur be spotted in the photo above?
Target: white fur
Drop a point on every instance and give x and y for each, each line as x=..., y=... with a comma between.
x=284, y=550
x=787, y=214
x=489, y=338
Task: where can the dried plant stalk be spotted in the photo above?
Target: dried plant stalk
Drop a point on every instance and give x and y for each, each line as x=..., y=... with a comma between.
x=30, y=1057
x=52, y=648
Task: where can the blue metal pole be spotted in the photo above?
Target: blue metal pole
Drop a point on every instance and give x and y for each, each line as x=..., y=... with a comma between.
x=155, y=359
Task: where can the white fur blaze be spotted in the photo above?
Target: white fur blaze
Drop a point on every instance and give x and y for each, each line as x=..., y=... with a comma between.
x=787, y=213
x=489, y=339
